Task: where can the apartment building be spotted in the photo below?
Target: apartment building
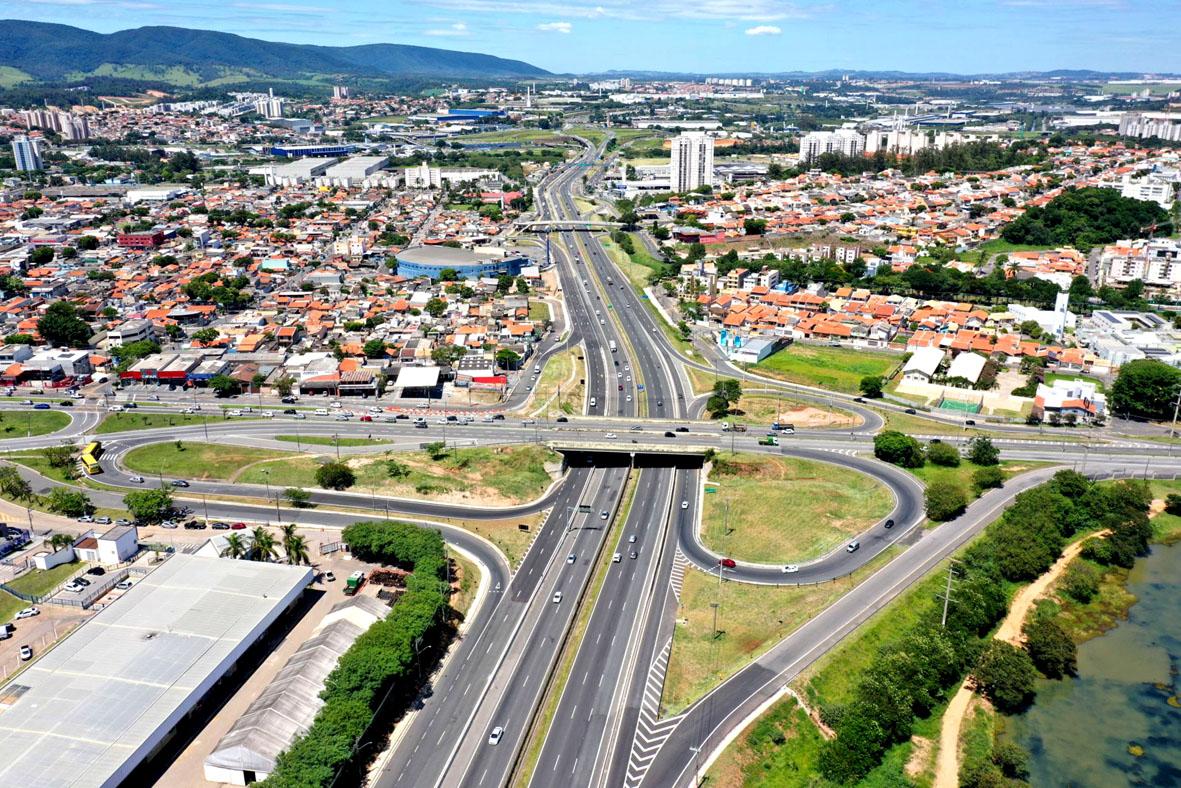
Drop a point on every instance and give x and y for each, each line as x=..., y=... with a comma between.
x=1163, y=125
x=846, y=142
x=692, y=161
x=1156, y=262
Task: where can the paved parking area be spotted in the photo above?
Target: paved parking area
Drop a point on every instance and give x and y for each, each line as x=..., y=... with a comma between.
x=39, y=632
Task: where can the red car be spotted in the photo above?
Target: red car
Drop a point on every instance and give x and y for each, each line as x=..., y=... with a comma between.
x=728, y=563
x=366, y=418
x=238, y=527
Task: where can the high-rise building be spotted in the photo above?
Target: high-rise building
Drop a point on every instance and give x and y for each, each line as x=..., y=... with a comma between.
x=24, y=150
x=340, y=92
x=692, y=161
x=844, y=141
x=1163, y=125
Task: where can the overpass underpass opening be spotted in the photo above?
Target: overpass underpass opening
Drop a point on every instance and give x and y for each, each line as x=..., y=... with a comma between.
x=688, y=459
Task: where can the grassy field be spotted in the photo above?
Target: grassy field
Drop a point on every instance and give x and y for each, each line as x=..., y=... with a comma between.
x=762, y=409
x=751, y=619
x=783, y=509
x=539, y=310
x=962, y=474
x=123, y=422
x=10, y=606
x=831, y=368
x=1053, y=376
x=327, y=440
x=563, y=370
x=636, y=274
x=468, y=576
x=505, y=474
x=36, y=582
x=511, y=135
x=197, y=460
x=22, y=423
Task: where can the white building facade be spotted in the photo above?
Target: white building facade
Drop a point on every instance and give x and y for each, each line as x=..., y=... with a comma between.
x=692, y=162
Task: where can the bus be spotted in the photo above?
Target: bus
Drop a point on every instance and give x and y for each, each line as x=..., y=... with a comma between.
x=90, y=455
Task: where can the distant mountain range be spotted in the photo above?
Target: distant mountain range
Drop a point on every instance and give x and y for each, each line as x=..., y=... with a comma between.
x=1077, y=75
x=54, y=53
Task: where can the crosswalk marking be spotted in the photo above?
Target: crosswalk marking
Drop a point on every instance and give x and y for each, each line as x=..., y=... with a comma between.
x=651, y=730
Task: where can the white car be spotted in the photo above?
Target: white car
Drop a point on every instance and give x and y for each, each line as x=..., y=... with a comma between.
x=684, y=504
x=26, y=653
x=571, y=558
x=115, y=409
x=615, y=559
x=494, y=737
x=610, y=436
x=790, y=569
x=187, y=411
x=557, y=597
x=28, y=612
x=336, y=405
x=136, y=479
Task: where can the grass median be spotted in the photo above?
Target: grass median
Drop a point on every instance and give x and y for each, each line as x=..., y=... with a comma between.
x=784, y=509
x=751, y=619
x=29, y=423
x=190, y=460
x=126, y=422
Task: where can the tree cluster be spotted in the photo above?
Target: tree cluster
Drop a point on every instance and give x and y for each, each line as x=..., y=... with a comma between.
x=1087, y=217
x=378, y=676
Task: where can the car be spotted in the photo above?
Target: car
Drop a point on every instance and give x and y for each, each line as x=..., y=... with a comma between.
x=179, y=483
x=123, y=585
x=81, y=581
x=728, y=563
x=561, y=419
x=911, y=411
x=660, y=404
x=603, y=515
x=336, y=405
x=684, y=504
x=73, y=588
x=122, y=521
x=238, y=527
x=789, y=569
x=193, y=526
x=421, y=425
x=97, y=571
x=28, y=612
x=221, y=526
x=498, y=416
x=330, y=577
x=136, y=479
x=610, y=436
x=26, y=653
x=288, y=400
x=571, y=558
x=366, y=417
x=289, y=411
x=616, y=558
x=669, y=434
x=633, y=555
x=631, y=539
x=853, y=547
x=41, y=406
x=888, y=524
x=401, y=417
x=115, y=409
x=66, y=403
x=528, y=422
x=26, y=402
x=682, y=429
x=168, y=524
x=86, y=518
x=859, y=399
x=495, y=736
x=102, y=520
x=637, y=428
x=557, y=598
x=130, y=405
x=970, y=422
x=621, y=387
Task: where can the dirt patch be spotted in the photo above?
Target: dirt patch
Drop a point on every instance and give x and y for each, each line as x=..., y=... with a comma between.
x=920, y=756
x=815, y=417
x=1156, y=507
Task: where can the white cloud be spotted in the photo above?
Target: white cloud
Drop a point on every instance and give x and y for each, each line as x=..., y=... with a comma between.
x=742, y=10
x=763, y=30
x=555, y=27
x=457, y=29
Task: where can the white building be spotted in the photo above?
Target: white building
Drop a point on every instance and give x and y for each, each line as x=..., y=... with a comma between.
x=1156, y=262
x=692, y=161
x=923, y=364
x=846, y=142
x=424, y=176
x=1150, y=188
x=1067, y=400
x=26, y=153
x=117, y=545
x=1163, y=125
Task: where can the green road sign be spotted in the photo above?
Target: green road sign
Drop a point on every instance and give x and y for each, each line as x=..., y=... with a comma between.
x=709, y=490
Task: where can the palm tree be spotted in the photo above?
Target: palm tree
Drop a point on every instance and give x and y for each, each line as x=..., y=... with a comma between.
x=297, y=550
x=288, y=532
x=264, y=544
x=235, y=547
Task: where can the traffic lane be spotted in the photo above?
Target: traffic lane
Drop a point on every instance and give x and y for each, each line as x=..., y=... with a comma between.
x=582, y=712
x=907, y=513
x=448, y=714
x=538, y=646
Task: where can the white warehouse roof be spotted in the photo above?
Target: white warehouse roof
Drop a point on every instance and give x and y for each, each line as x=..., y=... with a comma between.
x=91, y=710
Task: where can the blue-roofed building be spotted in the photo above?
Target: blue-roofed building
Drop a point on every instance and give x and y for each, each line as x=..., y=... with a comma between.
x=431, y=261
x=296, y=151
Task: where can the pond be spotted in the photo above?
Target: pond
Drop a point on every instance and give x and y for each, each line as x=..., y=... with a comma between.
x=1119, y=721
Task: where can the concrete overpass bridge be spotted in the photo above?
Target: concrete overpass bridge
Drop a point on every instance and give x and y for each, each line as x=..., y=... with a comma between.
x=562, y=225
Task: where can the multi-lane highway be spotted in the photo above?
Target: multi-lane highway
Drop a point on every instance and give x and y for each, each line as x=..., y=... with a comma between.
x=605, y=729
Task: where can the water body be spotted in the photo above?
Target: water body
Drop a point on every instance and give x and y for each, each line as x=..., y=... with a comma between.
x=1085, y=731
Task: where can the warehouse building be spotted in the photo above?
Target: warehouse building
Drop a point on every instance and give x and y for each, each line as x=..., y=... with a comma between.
x=105, y=699
x=431, y=261
x=286, y=708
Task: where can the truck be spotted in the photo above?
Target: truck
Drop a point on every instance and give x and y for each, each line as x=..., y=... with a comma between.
x=730, y=426
x=769, y=440
x=611, y=344
x=787, y=429
x=354, y=583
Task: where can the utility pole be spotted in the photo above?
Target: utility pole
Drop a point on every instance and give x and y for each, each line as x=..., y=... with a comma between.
x=1176, y=407
x=946, y=596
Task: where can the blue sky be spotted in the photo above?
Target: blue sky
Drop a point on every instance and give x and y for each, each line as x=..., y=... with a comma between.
x=705, y=36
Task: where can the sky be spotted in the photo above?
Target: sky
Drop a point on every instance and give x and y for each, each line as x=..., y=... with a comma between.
x=700, y=36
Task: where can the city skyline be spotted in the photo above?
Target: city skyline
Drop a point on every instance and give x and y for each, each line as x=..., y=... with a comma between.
x=762, y=36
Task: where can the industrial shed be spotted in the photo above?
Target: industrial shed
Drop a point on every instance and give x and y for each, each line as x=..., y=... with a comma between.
x=287, y=707
x=100, y=703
